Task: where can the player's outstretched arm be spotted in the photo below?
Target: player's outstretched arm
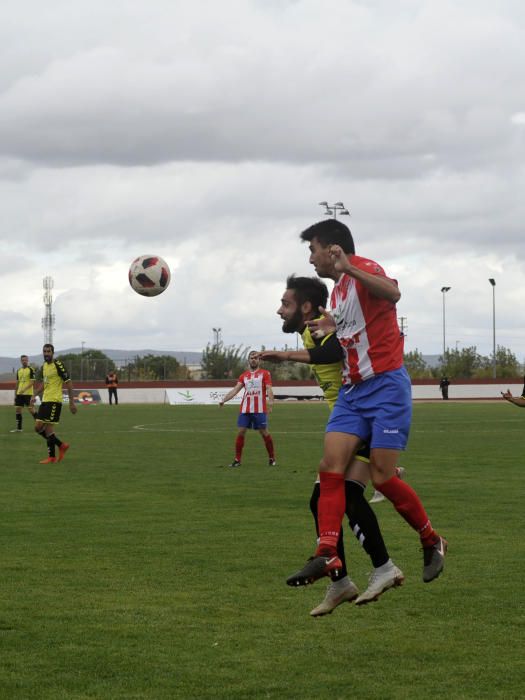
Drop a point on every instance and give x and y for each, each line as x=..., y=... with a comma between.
x=516, y=400
x=233, y=392
x=285, y=356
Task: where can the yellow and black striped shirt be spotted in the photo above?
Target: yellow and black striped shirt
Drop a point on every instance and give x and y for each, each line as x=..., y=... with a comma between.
x=25, y=376
x=54, y=374
x=329, y=376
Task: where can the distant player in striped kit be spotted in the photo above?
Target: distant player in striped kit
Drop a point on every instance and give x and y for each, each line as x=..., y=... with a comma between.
x=256, y=403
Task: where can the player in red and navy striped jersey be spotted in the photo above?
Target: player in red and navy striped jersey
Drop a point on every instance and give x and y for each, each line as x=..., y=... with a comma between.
x=375, y=403
x=257, y=402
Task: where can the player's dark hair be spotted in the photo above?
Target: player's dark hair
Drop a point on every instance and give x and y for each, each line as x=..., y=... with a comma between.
x=48, y=345
x=328, y=232
x=310, y=289
x=22, y=357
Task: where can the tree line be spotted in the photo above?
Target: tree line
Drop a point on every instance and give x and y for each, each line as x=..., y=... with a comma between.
x=221, y=361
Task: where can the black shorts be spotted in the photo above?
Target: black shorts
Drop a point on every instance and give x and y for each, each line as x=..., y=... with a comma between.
x=22, y=400
x=49, y=412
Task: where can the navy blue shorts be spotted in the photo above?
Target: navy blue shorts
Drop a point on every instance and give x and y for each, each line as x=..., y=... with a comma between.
x=378, y=410
x=257, y=421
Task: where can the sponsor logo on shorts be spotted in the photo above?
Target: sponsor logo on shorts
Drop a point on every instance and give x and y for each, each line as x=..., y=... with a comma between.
x=392, y=431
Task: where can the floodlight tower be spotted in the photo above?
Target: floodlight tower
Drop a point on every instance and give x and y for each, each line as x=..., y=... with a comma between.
x=333, y=209
x=48, y=321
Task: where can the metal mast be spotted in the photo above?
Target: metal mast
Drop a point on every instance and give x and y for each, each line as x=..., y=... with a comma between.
x=48, y=321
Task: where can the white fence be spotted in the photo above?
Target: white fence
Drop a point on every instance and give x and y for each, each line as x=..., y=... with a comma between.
x=212, y=395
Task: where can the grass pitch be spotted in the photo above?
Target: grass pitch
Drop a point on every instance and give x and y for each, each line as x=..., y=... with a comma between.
x=142, y=567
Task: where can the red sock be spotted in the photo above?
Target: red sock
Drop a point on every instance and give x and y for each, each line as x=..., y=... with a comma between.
x=239, y=444
x=269, y=445
x=331, y=509
x=406, y=501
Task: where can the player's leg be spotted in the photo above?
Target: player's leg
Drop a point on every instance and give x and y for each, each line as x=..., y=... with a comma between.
x=18, y=419
x=377, y=496
x=262, y=424
x=389, y=399
x=49, y=434
x=364, y=524
x=243, y=422
x=339, y=449
x=40, y=425
x=341, y=589
x=408, y=504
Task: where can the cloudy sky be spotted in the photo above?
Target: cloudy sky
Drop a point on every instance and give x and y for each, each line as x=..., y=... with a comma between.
x=208, y=132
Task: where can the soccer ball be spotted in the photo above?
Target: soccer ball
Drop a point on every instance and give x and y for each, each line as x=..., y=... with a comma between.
x=149, y=275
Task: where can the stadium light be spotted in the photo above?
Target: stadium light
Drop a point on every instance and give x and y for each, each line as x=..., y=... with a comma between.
x=493, y=284
x=444, y=290
x=334, y=209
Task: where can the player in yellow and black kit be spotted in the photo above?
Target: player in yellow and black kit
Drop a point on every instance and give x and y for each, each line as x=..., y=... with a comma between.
x=25, y=378
x=53, y=377
x=300, y=303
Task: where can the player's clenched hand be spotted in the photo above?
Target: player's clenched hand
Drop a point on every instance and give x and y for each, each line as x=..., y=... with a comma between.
x=72, y=407
x=340, y=259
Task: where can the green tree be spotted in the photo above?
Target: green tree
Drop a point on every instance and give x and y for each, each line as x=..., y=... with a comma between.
x=507, y=365
x=462, y=363
x=416, y=365
x=223, y=362
x=156, y=367
x=92, y=364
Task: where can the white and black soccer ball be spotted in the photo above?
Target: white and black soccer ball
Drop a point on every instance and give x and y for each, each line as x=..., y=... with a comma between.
x=149, y=275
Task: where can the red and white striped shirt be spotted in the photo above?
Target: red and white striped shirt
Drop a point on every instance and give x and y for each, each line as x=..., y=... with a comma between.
x=255, y=383
x=367, y=326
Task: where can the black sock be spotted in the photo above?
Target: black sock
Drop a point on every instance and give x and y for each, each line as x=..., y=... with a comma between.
x=57, y=441
x=314, y=500
x=364, y=523
x=19, y=421
x=51, y=445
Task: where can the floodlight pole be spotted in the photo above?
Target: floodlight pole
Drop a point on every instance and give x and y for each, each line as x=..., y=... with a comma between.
x=493, y=284
x=444, y=290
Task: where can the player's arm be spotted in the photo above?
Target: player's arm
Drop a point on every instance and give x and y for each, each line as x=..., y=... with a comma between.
x=270, y=397
x=69, y=388
x=233, y=392
x=285, y=356
x=325, y=353
x=38, y=390
x=516, y=400
x=381, y=287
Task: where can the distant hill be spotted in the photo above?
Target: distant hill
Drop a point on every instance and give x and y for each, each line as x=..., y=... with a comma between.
x=9, y=365
x=432, y=360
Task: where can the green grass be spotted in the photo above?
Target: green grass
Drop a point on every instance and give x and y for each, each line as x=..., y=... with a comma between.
x=141, y=567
